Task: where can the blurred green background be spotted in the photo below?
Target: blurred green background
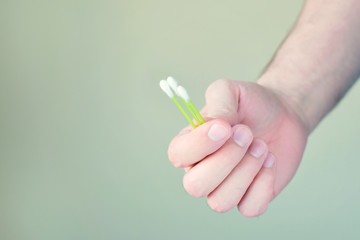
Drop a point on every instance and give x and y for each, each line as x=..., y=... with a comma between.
x=84, y=127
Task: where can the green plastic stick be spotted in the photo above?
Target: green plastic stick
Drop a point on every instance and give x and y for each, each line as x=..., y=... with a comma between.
x=177, y=103
x=200, y=118
x=170, y=86
x=191, y=110
x=181, y=91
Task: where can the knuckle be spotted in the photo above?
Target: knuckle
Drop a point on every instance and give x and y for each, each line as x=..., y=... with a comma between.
x=174, y=157
x=174, y=160
x=217, y=206
x=214, y=87
x=193, y=186
x=250, y=212
x=269, y=189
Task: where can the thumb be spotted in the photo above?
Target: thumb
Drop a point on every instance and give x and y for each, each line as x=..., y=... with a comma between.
x=222, y=101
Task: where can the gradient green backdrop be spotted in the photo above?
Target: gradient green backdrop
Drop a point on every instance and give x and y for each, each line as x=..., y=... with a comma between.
x=84, y=127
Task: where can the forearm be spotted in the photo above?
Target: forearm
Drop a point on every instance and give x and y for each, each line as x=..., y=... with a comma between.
x=320, y=59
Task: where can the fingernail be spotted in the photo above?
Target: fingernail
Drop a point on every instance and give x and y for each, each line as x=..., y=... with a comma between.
x=257, y=149
x=242, y=136
x=217, y=132
x=269, y=161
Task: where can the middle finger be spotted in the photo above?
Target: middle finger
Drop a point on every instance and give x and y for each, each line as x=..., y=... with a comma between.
x=205, y=176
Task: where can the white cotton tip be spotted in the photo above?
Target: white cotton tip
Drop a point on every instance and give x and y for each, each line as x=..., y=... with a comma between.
x=166, y=88
x=183, y=93
x=173, y=84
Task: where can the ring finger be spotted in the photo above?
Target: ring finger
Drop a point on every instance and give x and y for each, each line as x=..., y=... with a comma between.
x=232, y=189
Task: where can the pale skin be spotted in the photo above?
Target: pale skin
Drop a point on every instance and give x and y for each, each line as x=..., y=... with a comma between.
x=255, y=134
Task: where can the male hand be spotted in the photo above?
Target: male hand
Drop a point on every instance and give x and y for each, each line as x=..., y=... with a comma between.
x=246, y=152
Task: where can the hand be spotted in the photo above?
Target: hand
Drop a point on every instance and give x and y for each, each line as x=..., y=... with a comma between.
x=246, y=152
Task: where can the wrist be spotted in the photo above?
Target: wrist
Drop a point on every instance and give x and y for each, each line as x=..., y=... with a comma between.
x=291, y=98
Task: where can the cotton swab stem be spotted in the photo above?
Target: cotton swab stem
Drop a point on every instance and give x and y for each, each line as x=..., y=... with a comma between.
x=190, y=105
x=171, y=88
x=166, y=88
x=200, y=118
x=191, y=110
x=177, y=103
